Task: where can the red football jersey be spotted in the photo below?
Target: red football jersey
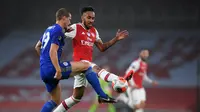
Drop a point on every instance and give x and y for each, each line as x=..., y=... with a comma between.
x=140, y=70
x=83, y=41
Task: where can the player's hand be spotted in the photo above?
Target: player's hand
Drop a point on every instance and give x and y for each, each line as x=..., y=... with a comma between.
x=58, y=75
x=154, y=83
x=121, y=34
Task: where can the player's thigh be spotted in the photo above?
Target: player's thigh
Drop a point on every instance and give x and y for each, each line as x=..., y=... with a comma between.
x=79, y=66
x=56, y=94
x=136, y=98
x=142, y=97
x=80, y=80
x=142, y=94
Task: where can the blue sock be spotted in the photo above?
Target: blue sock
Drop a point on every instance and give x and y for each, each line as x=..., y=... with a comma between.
x=92, y=78
x=49, y=106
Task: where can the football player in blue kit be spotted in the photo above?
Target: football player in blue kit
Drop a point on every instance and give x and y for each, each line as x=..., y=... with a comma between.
x=49, y=47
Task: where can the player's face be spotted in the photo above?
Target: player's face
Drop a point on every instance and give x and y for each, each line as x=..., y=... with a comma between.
x=88, y=19
x=67, y=20
x=144, y=55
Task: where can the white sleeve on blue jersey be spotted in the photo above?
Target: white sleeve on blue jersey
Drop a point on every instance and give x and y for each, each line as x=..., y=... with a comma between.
x=71, y=34
x=97, y=35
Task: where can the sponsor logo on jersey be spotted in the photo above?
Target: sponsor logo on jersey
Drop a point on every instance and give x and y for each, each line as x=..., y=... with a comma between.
x=87, y=43
x=89, y=39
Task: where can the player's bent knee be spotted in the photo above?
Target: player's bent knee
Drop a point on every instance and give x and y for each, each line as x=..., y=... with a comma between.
x=138, y=106
x=142, y=104
x=86, y=65
x=96, y=69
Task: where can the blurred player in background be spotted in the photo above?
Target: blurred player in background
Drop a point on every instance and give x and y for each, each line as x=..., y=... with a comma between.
x=84, y=36
x=135, y=74
x=107, y=89
x=52, y=70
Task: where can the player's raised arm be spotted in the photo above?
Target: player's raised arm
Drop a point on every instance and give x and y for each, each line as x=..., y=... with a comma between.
x=38, y=46
x=147, y=79
x=104, y=46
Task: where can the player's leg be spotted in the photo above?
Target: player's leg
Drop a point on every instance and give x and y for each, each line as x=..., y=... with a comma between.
x=105, y=75
x=71, y=101
x=78, y=67
x=52, y=87
x=55, y=100
x=143, y=100
x=136, y=100
x=91, y=77
x=80, y=84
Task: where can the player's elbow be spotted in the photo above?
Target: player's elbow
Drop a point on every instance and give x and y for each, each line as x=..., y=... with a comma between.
x=37, y=48
x=102, y=49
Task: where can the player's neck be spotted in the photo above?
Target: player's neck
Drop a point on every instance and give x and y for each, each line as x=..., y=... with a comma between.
x=59, y=23
x=85, y=27
x=142, y=60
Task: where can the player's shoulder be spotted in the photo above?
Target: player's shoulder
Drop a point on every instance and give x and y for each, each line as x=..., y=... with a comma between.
x=54, y=28
x=136, y=62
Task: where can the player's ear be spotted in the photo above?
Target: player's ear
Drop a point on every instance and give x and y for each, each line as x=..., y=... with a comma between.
x=82, y=17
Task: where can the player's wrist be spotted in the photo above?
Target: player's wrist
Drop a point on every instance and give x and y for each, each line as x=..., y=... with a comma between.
x=58, y=69
x=116, y=39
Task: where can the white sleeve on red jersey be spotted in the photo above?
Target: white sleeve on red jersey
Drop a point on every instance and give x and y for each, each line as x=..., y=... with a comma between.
x=147, y=79
x=135, y=65
x=97, y=35
x=71, y=34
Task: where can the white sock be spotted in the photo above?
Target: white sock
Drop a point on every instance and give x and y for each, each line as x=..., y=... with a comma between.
x=107, y=76
x=66, y=104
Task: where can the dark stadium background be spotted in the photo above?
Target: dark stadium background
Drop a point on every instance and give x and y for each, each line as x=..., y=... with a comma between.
x=170, y=29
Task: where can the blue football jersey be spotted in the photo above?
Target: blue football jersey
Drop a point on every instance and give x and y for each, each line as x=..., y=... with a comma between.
x=53, y=34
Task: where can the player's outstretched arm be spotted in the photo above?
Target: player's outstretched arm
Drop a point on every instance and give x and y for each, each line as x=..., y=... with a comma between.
x=38, y=46
x=54, y=60
x=104, y=46
x=147, y=79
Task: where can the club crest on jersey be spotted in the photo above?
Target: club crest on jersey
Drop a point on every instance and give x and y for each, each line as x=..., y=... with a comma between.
x=59, y=38
x=65, y=63
x=88, y=34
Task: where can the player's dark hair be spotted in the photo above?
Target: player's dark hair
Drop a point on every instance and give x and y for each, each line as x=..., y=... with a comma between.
x=85, y=9
x=62, y=12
